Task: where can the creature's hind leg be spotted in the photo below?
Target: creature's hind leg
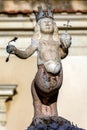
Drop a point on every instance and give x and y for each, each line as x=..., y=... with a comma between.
x=36, y=102
x=41, y=110
x=53, y=107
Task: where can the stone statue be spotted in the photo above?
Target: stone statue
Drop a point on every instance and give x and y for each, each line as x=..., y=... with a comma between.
x=50, y=50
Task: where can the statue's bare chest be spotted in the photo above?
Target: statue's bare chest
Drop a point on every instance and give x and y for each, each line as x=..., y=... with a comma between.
x=48, y=45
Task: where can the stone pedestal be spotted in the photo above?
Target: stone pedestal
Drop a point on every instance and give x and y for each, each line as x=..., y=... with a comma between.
x=6, y=92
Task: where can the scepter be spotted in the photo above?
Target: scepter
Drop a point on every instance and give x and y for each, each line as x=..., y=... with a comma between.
x=67, y=25
x=14, y=39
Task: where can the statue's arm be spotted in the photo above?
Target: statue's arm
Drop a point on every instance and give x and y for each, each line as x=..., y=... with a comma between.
x=26, y=53
x=65, y=42
x=20, y=53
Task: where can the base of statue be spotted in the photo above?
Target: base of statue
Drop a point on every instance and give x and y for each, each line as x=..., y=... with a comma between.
x=52, y=123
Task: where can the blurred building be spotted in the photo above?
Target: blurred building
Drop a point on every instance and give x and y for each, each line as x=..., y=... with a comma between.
x=17, y=19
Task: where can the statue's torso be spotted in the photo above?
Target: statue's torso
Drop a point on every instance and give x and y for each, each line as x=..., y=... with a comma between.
x=47, y=84
x=48, y=50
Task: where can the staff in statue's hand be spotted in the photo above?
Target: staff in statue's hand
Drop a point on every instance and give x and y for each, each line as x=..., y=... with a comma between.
x=9, y=48
x=66, y=37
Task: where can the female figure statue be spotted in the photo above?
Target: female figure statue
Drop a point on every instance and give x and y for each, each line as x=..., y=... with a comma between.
x=50, y=50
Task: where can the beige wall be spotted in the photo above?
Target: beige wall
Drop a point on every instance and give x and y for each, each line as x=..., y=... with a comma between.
x=20, y=109
x=72, y=103
x=73, y=94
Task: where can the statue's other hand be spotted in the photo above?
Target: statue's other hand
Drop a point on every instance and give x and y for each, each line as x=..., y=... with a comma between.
x=11, y=49
x=66, y=39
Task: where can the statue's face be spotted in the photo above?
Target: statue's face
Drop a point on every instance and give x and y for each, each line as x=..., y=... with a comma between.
x=46, y=25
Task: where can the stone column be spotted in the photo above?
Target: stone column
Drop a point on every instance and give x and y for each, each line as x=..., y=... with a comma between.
x=6, y=92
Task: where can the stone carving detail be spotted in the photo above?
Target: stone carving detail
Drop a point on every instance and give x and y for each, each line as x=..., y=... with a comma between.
x=48, y=80
x=6, y=92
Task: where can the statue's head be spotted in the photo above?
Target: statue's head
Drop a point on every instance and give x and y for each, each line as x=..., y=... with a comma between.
x=45, y=23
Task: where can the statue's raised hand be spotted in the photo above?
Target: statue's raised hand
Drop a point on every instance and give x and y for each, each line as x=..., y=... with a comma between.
x=11, y=49
x=65, y=39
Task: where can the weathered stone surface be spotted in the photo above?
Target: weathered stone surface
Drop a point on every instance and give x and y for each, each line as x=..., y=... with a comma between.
x=52, y=123
x=26, y=6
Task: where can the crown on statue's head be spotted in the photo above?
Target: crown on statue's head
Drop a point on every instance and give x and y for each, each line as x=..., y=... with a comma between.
x=43, y=14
